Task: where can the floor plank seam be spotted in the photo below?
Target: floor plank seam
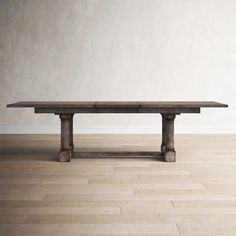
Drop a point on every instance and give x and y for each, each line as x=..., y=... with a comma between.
x=172, y=202
x=178, y=228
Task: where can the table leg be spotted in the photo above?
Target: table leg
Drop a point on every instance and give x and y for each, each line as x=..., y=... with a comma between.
x=71, y=133
x=169, y=150
x=65, y=152
x=163, y=144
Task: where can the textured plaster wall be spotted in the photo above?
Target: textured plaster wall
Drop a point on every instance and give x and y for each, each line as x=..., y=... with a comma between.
x=118, y=50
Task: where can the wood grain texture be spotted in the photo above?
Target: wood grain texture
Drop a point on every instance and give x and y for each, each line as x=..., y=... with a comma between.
x=118, y=195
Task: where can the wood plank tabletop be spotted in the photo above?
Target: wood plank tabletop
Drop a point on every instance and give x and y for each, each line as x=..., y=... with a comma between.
x=116, y=104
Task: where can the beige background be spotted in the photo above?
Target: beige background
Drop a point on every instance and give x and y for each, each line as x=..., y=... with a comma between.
x=118, y=50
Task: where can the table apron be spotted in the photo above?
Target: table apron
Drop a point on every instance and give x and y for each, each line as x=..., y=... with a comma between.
x=72, y=110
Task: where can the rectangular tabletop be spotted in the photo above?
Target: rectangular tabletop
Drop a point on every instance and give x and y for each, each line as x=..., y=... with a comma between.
x=117, y=106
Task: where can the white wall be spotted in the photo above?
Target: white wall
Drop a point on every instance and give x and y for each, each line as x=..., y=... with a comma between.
x=118, y=50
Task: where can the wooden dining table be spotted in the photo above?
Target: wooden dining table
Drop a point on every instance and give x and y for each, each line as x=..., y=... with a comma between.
x=66, y=110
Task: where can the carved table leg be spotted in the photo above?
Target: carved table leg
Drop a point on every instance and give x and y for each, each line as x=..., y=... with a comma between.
x=163, y=144
x=65, y=152
x=71, y=133
x=169, y=150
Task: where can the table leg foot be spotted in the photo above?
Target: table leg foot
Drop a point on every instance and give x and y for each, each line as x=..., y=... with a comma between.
x=170, y=156
x=65, y=156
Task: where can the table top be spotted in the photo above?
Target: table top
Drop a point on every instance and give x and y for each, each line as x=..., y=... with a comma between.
x=117, y=104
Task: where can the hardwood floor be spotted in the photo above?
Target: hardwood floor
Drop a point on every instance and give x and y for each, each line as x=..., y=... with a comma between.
x=117, y=195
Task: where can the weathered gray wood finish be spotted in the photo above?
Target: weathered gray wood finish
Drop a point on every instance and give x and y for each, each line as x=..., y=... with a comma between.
x=168, y=137
x=66, y=111
x=66, y=150
x=118, y=154
x=71, y=133
x=163, y=144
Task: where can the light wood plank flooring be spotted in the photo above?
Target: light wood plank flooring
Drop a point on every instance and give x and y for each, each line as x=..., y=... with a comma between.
x=118, y=195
